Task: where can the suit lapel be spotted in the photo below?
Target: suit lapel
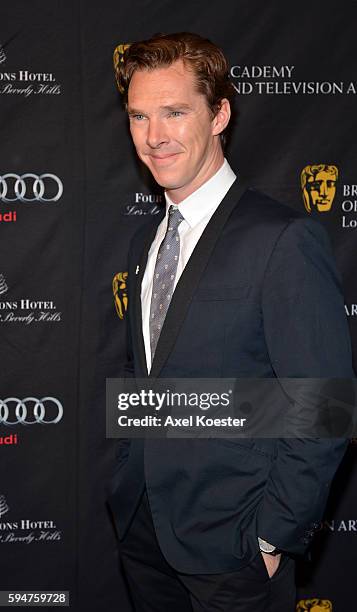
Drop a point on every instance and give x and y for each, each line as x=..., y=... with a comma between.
x=146, y=244
x=190, y=277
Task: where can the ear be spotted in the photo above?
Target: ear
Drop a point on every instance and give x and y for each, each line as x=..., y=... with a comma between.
x=306, y=197
x=221, y=120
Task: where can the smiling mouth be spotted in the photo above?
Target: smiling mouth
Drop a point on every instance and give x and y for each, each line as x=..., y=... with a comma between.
x=163, y=157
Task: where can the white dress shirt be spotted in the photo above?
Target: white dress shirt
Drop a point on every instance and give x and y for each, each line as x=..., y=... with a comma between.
x=196, y=209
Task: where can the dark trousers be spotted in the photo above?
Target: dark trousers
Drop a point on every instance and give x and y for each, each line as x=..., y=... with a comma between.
x=156, y=587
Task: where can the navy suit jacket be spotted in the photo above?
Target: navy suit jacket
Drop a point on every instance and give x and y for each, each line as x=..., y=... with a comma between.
x=259, y=297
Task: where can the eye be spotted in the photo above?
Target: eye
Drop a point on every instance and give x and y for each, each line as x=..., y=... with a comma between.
x=315, y=186
x=137, y=117
x=175, y=113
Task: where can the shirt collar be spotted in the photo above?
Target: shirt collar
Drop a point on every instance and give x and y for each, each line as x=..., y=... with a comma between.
x=206, y=198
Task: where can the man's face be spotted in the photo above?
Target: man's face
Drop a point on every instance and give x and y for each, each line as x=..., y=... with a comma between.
x=172, y=128
x=322, y=190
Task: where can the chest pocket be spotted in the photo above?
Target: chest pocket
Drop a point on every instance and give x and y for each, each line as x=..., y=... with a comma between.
x=223, y=293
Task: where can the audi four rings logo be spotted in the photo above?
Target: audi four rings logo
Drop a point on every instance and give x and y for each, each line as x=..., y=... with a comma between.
x=39, y=189
x=30, y=410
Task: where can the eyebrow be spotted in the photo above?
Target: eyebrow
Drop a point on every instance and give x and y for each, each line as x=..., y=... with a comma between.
x=170, y=107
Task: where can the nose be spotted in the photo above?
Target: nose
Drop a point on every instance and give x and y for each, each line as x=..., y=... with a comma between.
x=156, y=134
x=323, y=189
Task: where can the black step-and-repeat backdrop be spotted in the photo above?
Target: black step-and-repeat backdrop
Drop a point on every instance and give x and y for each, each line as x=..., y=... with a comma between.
x=71, y=197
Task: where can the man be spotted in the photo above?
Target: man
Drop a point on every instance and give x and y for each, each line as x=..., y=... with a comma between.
x=229, y=283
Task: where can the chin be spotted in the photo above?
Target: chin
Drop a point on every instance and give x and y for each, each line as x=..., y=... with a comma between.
x=166, y=181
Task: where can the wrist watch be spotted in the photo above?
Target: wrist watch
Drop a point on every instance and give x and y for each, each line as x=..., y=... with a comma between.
x=265, y=547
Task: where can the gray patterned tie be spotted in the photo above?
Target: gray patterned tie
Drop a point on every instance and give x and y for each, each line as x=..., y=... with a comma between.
x=164, y=276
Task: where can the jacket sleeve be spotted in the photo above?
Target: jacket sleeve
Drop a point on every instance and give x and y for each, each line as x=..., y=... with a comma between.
x=127, y=370
x=307, y=336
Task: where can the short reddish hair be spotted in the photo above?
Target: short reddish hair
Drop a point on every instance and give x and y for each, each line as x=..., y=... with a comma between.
x=207, y=62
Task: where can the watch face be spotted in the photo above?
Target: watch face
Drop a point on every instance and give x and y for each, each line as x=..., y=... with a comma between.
x=267, y=548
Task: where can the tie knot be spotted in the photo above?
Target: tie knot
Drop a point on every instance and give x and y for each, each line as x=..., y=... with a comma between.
x=175, y=218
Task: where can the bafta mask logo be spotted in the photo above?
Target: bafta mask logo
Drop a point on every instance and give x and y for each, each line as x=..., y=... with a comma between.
x=314, y=605
x=318, y=184
x=120, y=293
x=118, y=58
